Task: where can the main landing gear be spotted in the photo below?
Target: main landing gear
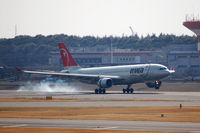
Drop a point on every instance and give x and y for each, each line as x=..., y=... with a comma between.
x=128, y=90
x=100, y=91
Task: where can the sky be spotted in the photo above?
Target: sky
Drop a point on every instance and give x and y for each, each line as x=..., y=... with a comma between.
x=95, y=17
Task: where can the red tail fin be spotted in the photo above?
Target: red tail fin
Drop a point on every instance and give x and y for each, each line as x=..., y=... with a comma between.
x=68, y=60
x=18, y=69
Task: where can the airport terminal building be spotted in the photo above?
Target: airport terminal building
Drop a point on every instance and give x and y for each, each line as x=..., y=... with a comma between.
x=90, y=59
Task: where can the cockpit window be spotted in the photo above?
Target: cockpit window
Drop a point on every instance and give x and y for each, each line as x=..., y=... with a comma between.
x=162, y=68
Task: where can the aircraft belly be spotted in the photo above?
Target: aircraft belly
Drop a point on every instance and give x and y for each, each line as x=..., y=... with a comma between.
x=136, y=79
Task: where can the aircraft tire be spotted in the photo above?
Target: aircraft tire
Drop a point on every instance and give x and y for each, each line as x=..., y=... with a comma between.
x=157, y=88
x=96, y=91
x=100, y=91
x=104, y=91
x=131, y=90
x=124, y=90
x=128, y=90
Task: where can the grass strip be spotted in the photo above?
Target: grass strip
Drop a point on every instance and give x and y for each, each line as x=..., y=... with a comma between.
x=58, y=130
x=171, y=113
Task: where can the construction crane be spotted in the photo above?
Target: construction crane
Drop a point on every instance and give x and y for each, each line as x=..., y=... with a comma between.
x=131, y=30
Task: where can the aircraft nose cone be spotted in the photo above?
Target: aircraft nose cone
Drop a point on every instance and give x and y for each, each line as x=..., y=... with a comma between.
x=166, y=73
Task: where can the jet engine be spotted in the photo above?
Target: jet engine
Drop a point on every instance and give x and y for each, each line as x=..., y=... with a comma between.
x=155, y=84
x=105, y=83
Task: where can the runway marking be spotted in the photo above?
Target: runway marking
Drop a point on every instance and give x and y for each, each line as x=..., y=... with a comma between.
x=104, y=128
x=1, y=124
x=21, y=125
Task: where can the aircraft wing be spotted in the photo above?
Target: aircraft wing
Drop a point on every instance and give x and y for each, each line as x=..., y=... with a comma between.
x=89, y=78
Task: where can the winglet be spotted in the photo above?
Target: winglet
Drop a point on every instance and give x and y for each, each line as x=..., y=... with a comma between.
x=18, y=69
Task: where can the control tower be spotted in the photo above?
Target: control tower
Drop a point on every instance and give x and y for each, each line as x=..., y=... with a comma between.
x=193, y=24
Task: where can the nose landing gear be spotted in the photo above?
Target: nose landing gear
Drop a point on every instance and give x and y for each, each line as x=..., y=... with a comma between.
x=157, y=84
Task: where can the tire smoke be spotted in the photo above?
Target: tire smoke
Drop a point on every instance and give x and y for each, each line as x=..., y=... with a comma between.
x=48, y=87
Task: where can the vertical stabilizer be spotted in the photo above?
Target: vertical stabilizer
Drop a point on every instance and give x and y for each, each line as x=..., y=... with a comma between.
x=68, y=60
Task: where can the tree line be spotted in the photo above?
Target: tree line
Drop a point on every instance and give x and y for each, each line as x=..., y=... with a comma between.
x=34, y=51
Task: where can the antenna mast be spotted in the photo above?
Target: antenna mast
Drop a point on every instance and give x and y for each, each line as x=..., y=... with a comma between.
x=15, y=30
x=131, y=31
x=111, y=52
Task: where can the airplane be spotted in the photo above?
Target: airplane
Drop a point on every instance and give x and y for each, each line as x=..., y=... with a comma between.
x=106, y=77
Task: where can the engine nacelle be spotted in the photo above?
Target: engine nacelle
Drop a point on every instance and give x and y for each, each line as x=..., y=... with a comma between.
x=155, y=84
x=105, y=83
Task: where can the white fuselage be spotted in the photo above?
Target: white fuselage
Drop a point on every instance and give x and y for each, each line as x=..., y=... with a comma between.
x=130, y=73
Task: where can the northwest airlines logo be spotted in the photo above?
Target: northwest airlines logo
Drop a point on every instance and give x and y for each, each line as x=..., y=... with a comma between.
x=65, y=55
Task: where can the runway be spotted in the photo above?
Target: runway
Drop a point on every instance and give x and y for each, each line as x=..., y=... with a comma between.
x=101, y=124
x=112, y=99
x=111, y=95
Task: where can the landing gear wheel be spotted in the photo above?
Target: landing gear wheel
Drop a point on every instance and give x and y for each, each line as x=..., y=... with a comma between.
x=124, y=90
x=104, y=91
x=157, y=88
x=96, y=91
x=131, y=90
x=157, y=84
x=100, y=91
x=128, y=90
